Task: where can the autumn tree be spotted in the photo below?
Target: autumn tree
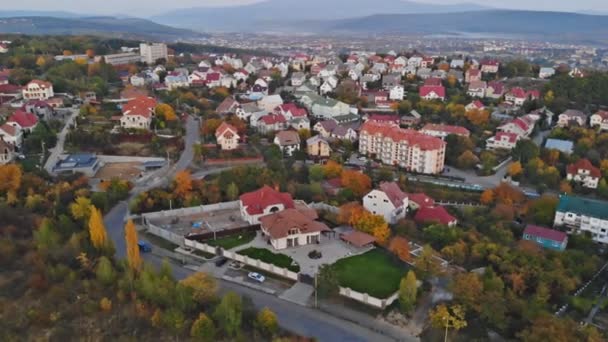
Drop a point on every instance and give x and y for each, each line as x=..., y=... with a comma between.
x=347, y=211
x=10, y=178
x=426, y=263
x=400, y=247
x=203, y=285
x=478, y=117
x=183, y=184
x=467, y=160
x=442, y=317
x=97, y=230
x=133, y=257
x=210, y=126
x=267, y=322
x=229, y=313
x=515, y=169
x=332, y=169
x=166, y=112
x=203, y=329
x=105, y=271
x=487, y=197
x=81, y=208
x=381, y=233
x=408, y=289
x=358, y=182
x=467, y=289
x=507, y=194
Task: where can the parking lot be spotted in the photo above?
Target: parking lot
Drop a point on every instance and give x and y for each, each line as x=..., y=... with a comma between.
x=213, y=221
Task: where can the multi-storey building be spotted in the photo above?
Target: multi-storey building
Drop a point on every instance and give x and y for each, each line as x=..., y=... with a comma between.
x=38, y=90
x=150, y=53
x=402, y=147
x=583, y=215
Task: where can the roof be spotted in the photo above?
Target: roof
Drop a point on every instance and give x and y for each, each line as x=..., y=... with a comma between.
x=433, y=81
x=8, y=129
x=511, y=137
x=271, y=119
x=293, y=109
x=227, y=105
x=560, y=145
x=583, y=206
x=602, y=114
x=9, y=89
x=316, y=139
x=384, y=118
x=421, y=200
x=477, y=104
x=79, y=160
x=40, y=83
x=23, y=119
x=584, y=164
x=328, y=125
x=286, y=138
x=523, y=125
x=226, y=129
x=518, y=92
x=413, y=138
x=426, y=90
x=457, y=130
x=279, y=224
x=141, y=105
x=256, y=201
x=571, y=113
x=393, y=192
x=434, y=214
x=357, y=238
x=5, y=146
x=545, y=233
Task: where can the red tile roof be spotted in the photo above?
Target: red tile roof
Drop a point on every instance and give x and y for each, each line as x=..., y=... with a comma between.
x=457, y=130
x=41, y=84
x=358, y=238
x=227, y=105
x=23, y=119
x=225, y=129
x=426, y=90
x=394, y=193
x=478, y=104
x=8, y=129
x=584, y=164
x=9, y=89
x=271, y=119
x=384, y=118
x=511, y=137
x=602, y=114
x=545, y=233
x=142, y=106
x=421, y=200
x=434, y=214
x=413, y=138
x=279, y=224
x=256, y=201
x=433, y=81
x=293, y=109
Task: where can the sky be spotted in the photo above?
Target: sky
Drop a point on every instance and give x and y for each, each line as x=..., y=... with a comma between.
x=151, y=7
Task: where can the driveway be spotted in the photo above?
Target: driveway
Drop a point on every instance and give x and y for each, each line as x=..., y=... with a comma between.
x=57, y=151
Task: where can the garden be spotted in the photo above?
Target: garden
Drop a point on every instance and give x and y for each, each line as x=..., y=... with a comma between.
x=279, y=260
x=376, y=273
x=232, y=241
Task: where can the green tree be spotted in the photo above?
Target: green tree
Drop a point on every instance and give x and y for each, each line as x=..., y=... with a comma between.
x=203, y=329
x=525, y=150
x=229, y=314
x=203, y=285
x=232, y=192
x=105, y=271
x=267, y=322
x=408, y=289
x=327, y=282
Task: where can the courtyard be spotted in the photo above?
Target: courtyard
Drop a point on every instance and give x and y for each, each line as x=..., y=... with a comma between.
x=200, y=222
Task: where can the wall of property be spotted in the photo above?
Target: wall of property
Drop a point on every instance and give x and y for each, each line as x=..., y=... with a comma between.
x=367, y=299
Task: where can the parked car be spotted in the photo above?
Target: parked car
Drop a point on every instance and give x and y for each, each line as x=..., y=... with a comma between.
x=221, y=261
x=144, y=246
x=256, y=276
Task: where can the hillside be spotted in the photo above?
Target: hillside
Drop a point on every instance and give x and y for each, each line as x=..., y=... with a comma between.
x=105, y=26
x=266, y=15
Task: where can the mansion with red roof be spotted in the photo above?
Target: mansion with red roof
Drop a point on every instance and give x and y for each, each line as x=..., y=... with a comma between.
x=262, y=202
x=406, y=148
x=227, y=137
x=38, y=90
x=585, y=173
x=388, y=200
x=138, y=113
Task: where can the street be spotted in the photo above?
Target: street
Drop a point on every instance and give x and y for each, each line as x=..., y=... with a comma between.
x=57, y=151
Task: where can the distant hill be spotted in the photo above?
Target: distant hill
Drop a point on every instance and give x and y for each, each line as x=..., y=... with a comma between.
x=566, y=26
x=26, y=13
x=104, y=26
x=265, y=15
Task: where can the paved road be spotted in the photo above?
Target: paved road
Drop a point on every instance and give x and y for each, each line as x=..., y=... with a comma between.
x=57, y=151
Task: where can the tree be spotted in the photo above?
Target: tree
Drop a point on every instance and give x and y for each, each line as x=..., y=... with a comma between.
x=382, y=233
x=467, y=289
x=210, y=126
x=97, y=230
x=203, y=329
x=203, y=285
x=478, y=117
x=267, y=322
x=515, y=169
x=358, y=182
x=183, y=184
x=81, y=208
x=327, y=282
x=408, y=289
x=316, y=173
x=332, y=170
x=133, y=257
x=487, y=197
x=400, y=247
x=525, y=150
x=467, y=160
x=443, y=318
x=550, y=328
x=10, y=178
x=105, y=272
x=426, y=262
x=229, y=313
x=232, y=192
x=166, y=112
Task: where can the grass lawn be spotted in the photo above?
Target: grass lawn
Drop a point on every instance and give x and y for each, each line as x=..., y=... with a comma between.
x=280, y=260
x=232, y=241
x=375, y=273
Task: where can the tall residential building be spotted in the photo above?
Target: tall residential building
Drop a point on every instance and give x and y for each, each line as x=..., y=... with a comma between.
x=150, y=53
x=583, y=215
x=406, y=148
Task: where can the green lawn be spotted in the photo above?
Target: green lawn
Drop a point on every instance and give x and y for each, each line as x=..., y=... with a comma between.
x=232, y=241
x=280, y=260
x=375, y=273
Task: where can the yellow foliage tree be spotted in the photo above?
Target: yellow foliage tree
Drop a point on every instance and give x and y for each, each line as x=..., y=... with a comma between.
x=166, y=112
x=267, y=322
x=478, y=117
x=515, y=169
x=443, y=318
x=183, y=183
x=81, y=208
x=332, y=169
x=203, y=285
x=133, y=257
x=382, y=233
x=10, y=178
x=97, y=230
x=487, y=197
x=105, y=304
x=41, y=61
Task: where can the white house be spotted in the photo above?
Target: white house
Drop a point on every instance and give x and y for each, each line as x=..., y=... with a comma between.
x=387, y=201
x=227, y=137
x=600, y=119
x=502, y=140
x=138, y=81
x=12, y=135
x=585, y=173
x=292, y=228
x=7, y=152
x=288, y=142
x=270, y=102
x=397, y=93
x=38, y=90
x=572, y=116
x=262, y=202
x=138, y=113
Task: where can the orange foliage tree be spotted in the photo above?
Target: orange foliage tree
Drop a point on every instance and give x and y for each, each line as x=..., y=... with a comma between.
x=382, y=233
x=400, y=247
x=478, y=117
x=10, y=178
x=166, y=112
x=347, y=210
x=183, y=184
x=487, y=197
x=332, y=169
x=133, y=257
x=506, y=194
x=358, y=182
x=210, y=126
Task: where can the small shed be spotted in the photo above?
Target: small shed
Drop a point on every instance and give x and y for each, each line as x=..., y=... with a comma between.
x=358, y=239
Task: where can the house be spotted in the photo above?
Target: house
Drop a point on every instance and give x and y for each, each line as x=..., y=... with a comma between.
x=406, y=148
x=262, y=202
x=288, y=142
x=475, y=105
x=442, y=131
x=85, y=163
x=343, y=132
x=415, y=61
x=564, y=146
x=41, y=108
x=420, y=200
x=327, y=108
x=317, y=147
x=291, y=111
x=387, y=201
x=424, y=73
x=269, y=103
x=457, y=75
x=477, y=89
x=357, y=238
x=292, y=228
x=138, y=113
x=386, y=119
x=546, y=237
x=490, y=66
x=270, y=123
x=23, y=120
x=517, y=96
x=176, y=81
x=580, y=215
x=570, y=117
x=297, y=79
x=472, y=75
x=495, y=90
x=600, y=119
x=7, y=152
x=434, y=214
x=457, y=64
x=502, y=140
x=546, y=73
x=137, y=80
x=228, y=106
x=397, y=93
x=227, y=137
x=250, y=112
x=390, y=81
x=432, y=92
x=38, y=90
x=325, y=88
x=12, y=135
x=522, y=126
x=585, y=173
x=324, y=128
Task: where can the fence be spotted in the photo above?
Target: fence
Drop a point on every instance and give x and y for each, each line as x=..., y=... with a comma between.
x=191, y=210
x=200, y=246
x=367, y=299
x=165, y=234
x=235, y=161
x=324, y=207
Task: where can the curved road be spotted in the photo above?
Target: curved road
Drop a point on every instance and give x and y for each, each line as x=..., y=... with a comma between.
x=298, y=319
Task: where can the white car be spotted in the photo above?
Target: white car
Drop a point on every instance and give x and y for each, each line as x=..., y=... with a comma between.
x=256, y=276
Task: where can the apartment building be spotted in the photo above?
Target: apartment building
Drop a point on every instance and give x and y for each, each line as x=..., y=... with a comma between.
x=150, y=53
x=580, y=215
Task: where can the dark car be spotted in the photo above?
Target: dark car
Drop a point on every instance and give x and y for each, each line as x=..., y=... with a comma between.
x=221, y=261
x=144, y=246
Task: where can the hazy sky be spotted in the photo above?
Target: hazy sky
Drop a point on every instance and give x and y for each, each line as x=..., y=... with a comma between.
x=149, y=7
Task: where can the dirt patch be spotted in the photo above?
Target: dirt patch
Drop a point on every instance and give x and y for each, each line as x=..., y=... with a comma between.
x=122, y=171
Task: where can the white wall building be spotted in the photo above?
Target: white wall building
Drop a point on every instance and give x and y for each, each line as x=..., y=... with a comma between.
x=387, y=201
x=150, y=53
x=583, y=215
